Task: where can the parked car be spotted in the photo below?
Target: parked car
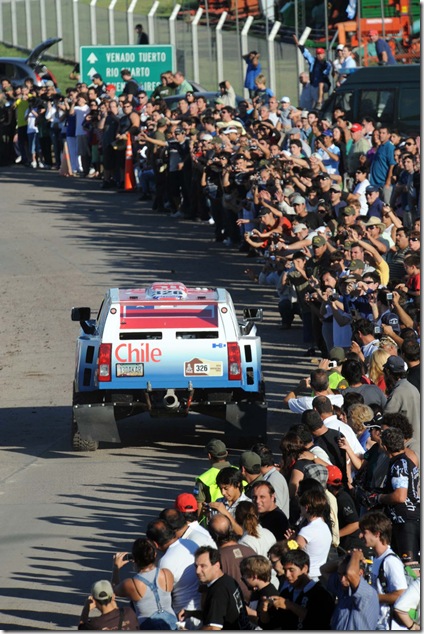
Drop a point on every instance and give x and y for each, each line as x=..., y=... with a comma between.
x=17, y=69
x=169, y=350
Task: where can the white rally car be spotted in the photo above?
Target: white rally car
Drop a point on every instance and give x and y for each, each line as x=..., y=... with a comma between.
x=166, y=349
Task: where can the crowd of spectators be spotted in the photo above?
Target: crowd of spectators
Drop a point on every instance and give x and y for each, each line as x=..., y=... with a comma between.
x=331, y=208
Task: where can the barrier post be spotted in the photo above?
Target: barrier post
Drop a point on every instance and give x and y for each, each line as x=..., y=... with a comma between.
x=130, y=21
x=59, y=27
x=76, y=30
x=28, y=24
x=43, y=18
x=151, y=22
x=219, y=47
x=271, y=56
x=195, y=38
x=14, y=23
x=173, y=35
x=93, y=22
x=111, y=9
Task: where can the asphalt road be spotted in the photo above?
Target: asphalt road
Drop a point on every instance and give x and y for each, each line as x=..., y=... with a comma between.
x=63, y=242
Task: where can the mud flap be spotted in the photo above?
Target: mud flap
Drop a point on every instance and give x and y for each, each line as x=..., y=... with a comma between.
x=246, y=419
x=96, y=422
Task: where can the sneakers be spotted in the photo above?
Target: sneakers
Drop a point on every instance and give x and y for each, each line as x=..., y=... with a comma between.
x=34, y=164
x=177, y=214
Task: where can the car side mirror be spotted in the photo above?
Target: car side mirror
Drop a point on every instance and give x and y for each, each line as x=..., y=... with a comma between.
x=80, y=314
x=253, y=314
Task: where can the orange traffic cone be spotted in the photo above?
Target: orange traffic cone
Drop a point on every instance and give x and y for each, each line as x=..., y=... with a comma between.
x=65, y=165
x=129, y=179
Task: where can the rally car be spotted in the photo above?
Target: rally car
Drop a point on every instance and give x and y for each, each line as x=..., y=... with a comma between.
x=166, y=349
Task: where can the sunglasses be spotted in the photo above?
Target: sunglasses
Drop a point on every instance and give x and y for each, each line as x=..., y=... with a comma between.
x=369, y=282
x=414, y=239
x=410, y=143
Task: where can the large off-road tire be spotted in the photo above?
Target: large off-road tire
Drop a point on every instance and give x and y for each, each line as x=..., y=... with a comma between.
x=78, y=444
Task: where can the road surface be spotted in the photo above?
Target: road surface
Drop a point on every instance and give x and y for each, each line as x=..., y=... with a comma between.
x=63, y=242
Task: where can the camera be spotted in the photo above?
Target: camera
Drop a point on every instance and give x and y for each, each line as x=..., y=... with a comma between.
x=377, y=330
x=332, y=365
x=389, y=297
x=128, y=557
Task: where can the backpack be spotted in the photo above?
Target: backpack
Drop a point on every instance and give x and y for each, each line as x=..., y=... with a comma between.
x=161, y=619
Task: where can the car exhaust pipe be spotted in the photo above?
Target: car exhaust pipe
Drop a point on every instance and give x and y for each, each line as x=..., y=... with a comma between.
x=170, y=401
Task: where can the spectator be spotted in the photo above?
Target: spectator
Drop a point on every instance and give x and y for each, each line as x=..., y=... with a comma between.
x=404, y=397
x=250, y=467
x=352, y=372
x=187, y=504
x=223, y=607
x=270, y=516
x=149, y=590
x=142, y=37
x=254, y=534
x=111, y=617
x=387, y=573
x=319, y=71
x=205, y=489
x=176, y=519
x=382, y=49
x=383, y=163
x=411, y=354
x=319, y=384
x=407, y=604
x=273, y=475
x=253, y=69
x=230, y=483
x=256, y=570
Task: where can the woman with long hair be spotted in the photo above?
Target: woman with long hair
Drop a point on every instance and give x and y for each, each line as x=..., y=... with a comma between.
x=295, y=457
x=149, y=589
x=260, y=539
x=376, y=373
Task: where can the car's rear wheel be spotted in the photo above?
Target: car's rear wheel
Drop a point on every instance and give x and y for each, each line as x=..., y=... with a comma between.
x=78, y=443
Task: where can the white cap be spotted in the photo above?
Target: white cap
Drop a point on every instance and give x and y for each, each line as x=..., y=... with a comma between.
x=285, y=99
x=340, y=47
x=230, y=130
x=299, y=227
x=207, y=137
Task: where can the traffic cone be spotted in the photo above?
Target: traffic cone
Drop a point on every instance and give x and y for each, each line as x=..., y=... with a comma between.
x=65, y=164
x=129, y=179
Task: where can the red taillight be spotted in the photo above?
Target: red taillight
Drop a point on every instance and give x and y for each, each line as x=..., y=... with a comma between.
x=103, y=365
x=234, y=362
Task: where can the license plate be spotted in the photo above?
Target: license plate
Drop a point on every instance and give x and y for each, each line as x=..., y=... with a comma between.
x=129, y=369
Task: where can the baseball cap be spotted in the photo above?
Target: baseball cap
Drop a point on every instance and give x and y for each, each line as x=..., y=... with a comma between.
x=185, y=502
x=374, y=422
x=356, y=264
x=318, y=241
x=249, y=460
x=50, y=83
x=293, y=131
x=373, y=32
x=297, y=200
x=356, y=127
x=320, y=50
x=304, y=114
x=219, y=101
x=217, y=448
x=316, y=472
x=394, y=364
x=110, y=87
x=348, y=210
x=102, y=591
x=337, y=354
x=391, y=319
x=335, y=476
x=207, y=137
x=335, y=188
x=161, y=122
x=299, y=227
x=327, y=133
x=339, y=47
x=230, y=130
x=323, y=175
x=285, y=99
x=371, y=189
x=96, y=76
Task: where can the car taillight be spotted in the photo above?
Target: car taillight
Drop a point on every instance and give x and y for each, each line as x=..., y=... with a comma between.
x=104, y=362
x=234, y=362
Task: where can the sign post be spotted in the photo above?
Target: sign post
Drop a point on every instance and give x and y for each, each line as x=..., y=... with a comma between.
x=145, y=63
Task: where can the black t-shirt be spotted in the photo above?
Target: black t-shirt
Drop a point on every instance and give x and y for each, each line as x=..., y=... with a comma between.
x=224, y=605
x=414, y=376
x=257, y=595
x=328, y=442
x=276, y=522
x=347, y=514
x=131, y=88
x=403, y=473
x=319, y=606
x=110, y=621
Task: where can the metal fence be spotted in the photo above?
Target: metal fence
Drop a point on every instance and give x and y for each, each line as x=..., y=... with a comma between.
x=25, y=23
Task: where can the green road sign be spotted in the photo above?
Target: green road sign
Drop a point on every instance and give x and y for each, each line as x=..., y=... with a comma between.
x=146, y=63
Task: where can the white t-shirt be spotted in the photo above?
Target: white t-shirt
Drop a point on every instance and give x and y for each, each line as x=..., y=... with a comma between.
x=318, y=542
x=299, y=405
x=261, y=544
x=360, y=189
x=396, y=580
x=199, y=535
x=332, y=422
x=80, y=113
x=179, y=559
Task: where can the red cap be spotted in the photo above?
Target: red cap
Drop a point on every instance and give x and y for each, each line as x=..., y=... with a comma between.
x=110, y=87
x=320, y=50
x=373, y=32
x=186, y=502
x=356, y=127
x=334, y=475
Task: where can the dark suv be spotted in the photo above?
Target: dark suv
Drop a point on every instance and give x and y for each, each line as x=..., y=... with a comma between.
x=17, y=69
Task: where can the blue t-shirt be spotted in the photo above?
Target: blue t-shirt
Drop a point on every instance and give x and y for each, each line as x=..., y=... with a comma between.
x=381, y=46
x=384, y=158
x=251, y=73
